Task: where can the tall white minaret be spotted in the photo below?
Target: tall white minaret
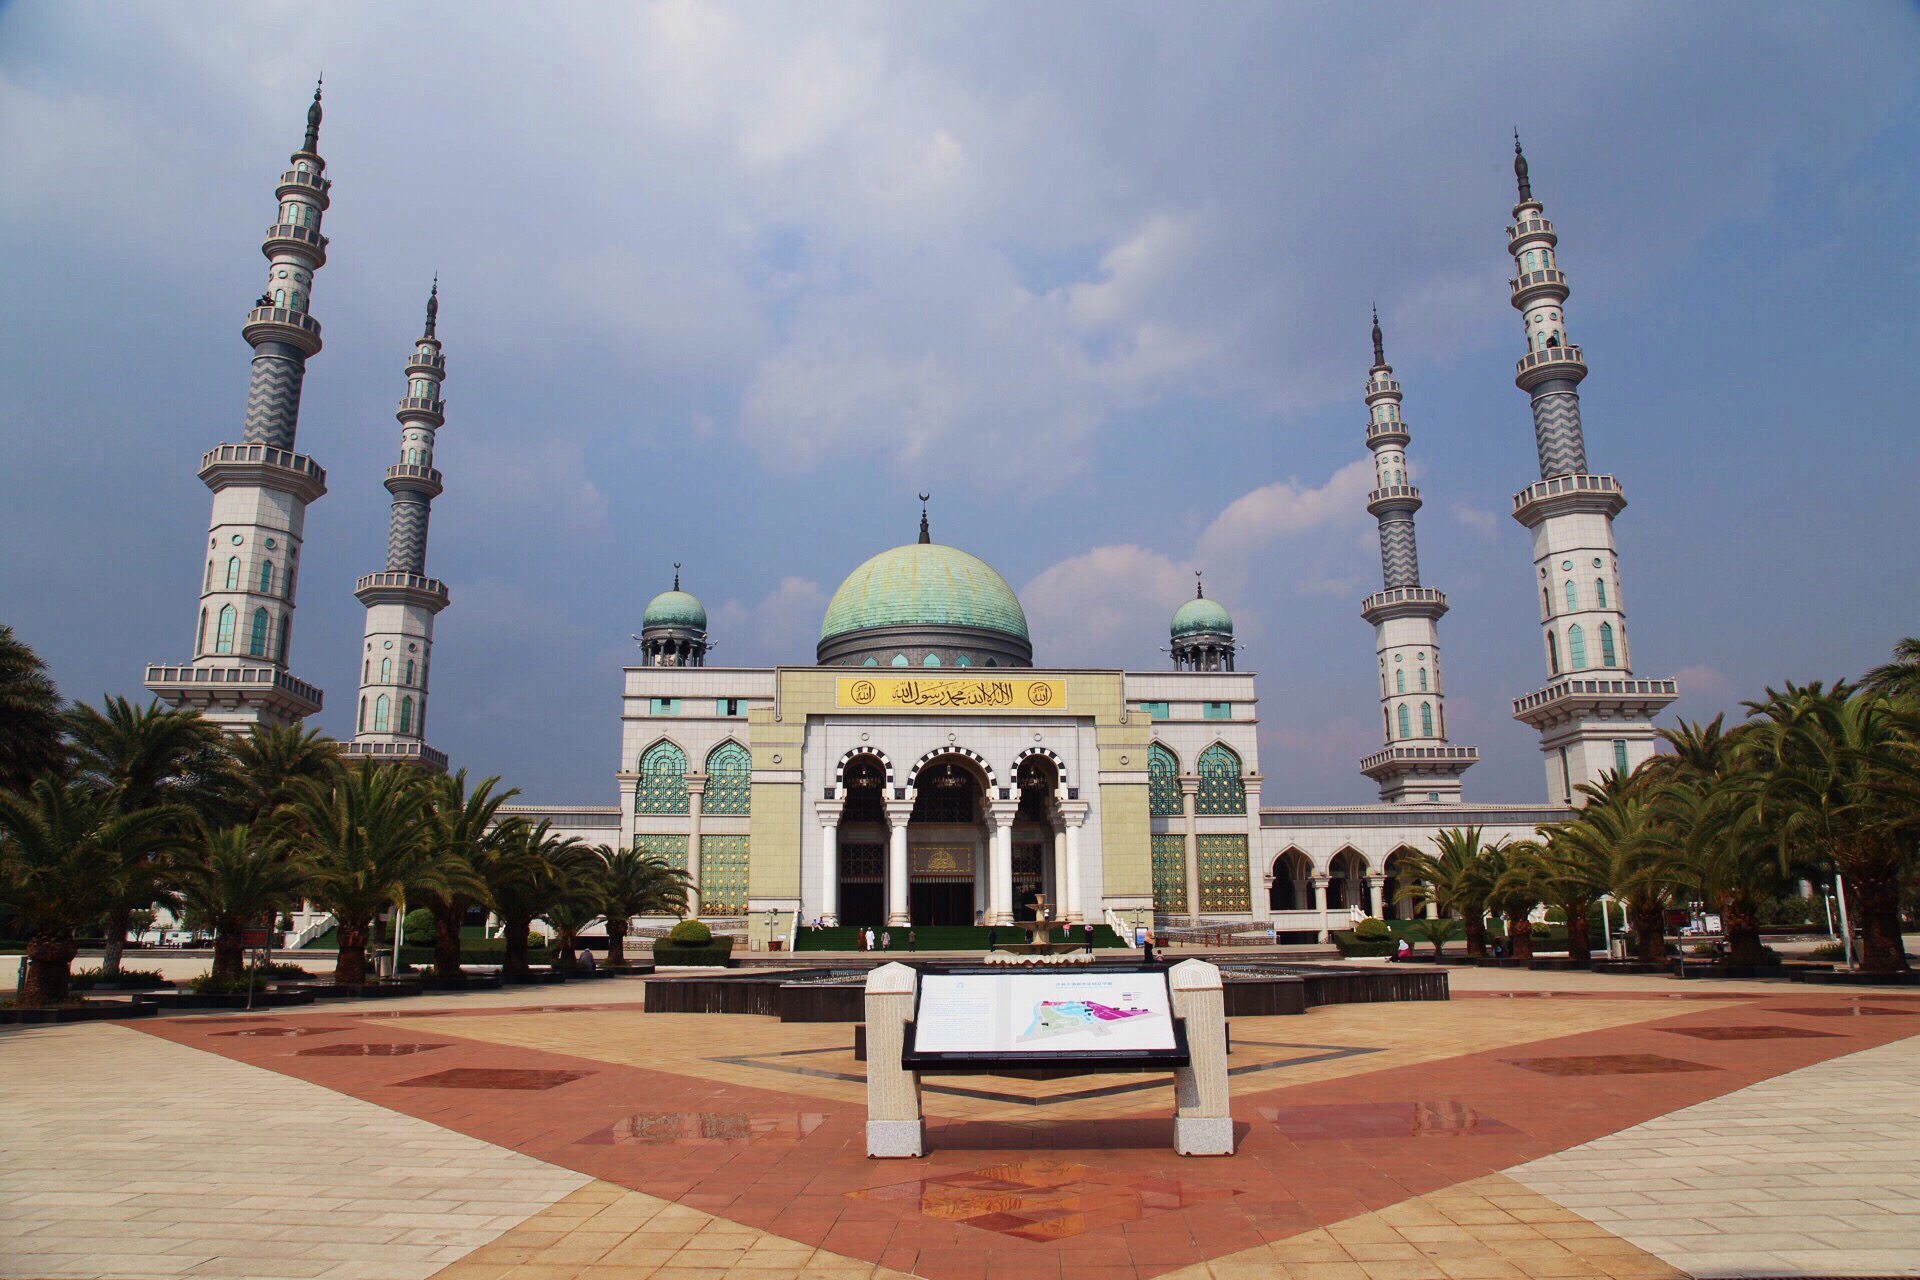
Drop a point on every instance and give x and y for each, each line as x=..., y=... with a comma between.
x=390, y=721
x=1417, y=765
x=261, y=487
x=1593, y=715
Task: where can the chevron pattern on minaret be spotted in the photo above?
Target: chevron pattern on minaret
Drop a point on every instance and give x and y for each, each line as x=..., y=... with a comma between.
x=273, y=400
x=1399, y=557
x=407, y=537
x=1557, y=435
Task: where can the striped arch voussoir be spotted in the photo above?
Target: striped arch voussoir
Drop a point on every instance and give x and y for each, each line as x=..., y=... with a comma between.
x=993, y=781
x=1060, y=766
x=840, y=770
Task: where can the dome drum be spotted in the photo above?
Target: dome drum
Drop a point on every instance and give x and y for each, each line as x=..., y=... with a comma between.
x=945, y=644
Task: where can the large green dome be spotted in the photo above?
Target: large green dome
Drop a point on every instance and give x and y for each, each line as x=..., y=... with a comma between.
x=675, y=609
x=924, y=584
x=1201, y=615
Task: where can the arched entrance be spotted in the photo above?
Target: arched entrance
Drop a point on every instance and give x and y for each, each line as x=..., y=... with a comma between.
x=946, y=842
x=1292, y=888
x=862, y=894
x=1347, y=882
x=1394, y=908
x=1037, y=845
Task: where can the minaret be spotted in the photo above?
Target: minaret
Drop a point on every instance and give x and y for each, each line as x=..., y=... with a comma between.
x=390, y=722
x=1417, y=765
x=1593, y=716
x=1201, y=633
x=261, y=487
x=673, y=630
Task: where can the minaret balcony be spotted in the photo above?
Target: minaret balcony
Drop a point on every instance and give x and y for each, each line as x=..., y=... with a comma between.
x=1528, y=232
x=288, y=237
x=1549, y=282
x=407, y=477
x=304, y=182
x=1571, y=698
x=401, y=588
x=1394, y=497
x=1567, y=364
x=400, y=751
x=422, y=407
x=264, y=466
x=210, y=687
x=282, y=324
x=1380, y=387
x=1387, y=433
x=1439, y=760
x=1403, y=602
x=426, y=366
x=1561, y=495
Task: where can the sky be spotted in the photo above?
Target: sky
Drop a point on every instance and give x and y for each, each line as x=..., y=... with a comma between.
x=729, y=284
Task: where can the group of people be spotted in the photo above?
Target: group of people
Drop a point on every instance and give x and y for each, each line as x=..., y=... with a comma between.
x=884, y=942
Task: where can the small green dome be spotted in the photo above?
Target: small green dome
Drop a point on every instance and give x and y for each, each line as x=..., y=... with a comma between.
x=675, y=609
x=1201, y=615
x=920, y=584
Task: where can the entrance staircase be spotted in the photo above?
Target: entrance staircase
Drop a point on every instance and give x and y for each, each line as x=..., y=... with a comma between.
x=942, y=937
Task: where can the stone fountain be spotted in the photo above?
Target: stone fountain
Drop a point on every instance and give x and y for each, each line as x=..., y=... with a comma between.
x=1039, y=948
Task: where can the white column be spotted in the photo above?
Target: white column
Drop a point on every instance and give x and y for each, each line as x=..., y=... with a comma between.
x=696, y=788
x=1000, y=886
x=1061, y=899
x=1190, y=805
x=830, y=867
x=898, y=812
x=1079, y=906
x=1377, y=886
x=979, y=864
x=1320, y=903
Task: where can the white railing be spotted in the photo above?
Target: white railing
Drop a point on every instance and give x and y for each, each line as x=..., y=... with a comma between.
x=314, y=929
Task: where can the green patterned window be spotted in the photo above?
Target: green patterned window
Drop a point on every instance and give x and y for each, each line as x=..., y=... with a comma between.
x=663, y=780
x=1169, y=873
x=670, y=849
x=1221, y=790
x=1163, y=782
x=729, y=780
x=1223, y=874
x=723, y=875
x=1156, y=710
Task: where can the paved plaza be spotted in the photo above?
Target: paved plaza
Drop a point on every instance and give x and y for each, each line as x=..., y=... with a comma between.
x=1537, y=1125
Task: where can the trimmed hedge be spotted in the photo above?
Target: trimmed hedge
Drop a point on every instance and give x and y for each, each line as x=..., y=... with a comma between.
x=690, y=933
x=718, y=952
x=1352, y=945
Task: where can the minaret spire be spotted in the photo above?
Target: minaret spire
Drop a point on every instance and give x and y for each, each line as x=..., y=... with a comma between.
x=925, y=536
x=1417, y=765
x=401, y=601
x=676, y=575
x=238, y=676
x=1600, y=721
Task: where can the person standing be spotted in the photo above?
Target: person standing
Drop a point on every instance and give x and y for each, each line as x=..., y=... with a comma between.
x=1089, y=935
x=913, y=941
x=992, y=936
x=886, y=939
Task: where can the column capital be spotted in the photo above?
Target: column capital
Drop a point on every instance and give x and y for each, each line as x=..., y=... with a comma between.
x=1189, y=784
x=696, y=783
x=829, y=811
x=1074, y=812
x=898, y=812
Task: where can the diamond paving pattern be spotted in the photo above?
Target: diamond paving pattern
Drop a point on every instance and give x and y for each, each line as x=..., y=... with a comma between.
x=1608, y=1064
x=1852, y=1011
x=369, y=1050
x=1043, y=1199
x=705, y=1128
x=1746, y=1033
x=492, y=1078
x=282, y=1031
x=1381, y=1120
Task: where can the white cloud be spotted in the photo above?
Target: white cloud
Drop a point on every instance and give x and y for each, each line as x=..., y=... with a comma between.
x=1090, y=608
x=782, y=626
x=1287, y=508
x=1484, y=523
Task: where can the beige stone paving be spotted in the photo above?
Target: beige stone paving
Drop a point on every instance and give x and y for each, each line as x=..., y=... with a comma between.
x=1815, y=1172
x=606, y=1232
x=1491, y=1228
x=128, y=1156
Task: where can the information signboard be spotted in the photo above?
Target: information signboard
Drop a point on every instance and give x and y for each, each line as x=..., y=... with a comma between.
x=997, y=1015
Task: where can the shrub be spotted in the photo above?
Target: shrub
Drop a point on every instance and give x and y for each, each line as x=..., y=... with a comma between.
x=419, y=928
x=206, y=984
x=129, y=979
x=1829, y=951
x=1702, y=949
x=283, y=969
x=1371, y=930
x=690, y=933
x=1351, y=944
x=716, y=952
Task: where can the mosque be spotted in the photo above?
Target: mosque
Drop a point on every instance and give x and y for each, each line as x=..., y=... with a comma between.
x=927, y=767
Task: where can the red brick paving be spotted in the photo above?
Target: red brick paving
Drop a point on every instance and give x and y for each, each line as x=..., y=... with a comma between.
x=820, y=1189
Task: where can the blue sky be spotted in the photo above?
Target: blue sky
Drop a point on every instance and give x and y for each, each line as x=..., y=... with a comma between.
x=727, y=285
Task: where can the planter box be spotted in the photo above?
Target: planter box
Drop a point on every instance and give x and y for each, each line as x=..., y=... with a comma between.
x=1709, y=969
x=361, y=990
x=92, y=1011
x=717, y=953
x=1842, y=978
x=535, y=978
x=465, y=982
x=278, y=998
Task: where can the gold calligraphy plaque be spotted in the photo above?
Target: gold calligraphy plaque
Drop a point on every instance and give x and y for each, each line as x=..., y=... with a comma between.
x=939, y=860
x=919, y=693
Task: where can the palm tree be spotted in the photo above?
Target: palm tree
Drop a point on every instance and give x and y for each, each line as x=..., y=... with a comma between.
x=1899, y=678
x=1439, y=932
x=637, y=884
x=524, y=877
x=233, y=880
x=577, y=901
x=1451, y=878
x=268, y=764
x=29, y=716
x=1574, y=865
x=1818, y=762
x=143, y=758
x=465, y=832
x=62, y=846
x=366, y=839
x=1505, y=873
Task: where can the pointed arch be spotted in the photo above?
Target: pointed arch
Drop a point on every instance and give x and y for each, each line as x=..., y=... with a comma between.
x=1600, y=592
x=223, y=632
x=1222, y=789
x=386, y=671
x=360, y=725
x=257, y=638
x=1163, y=782
x=931, y=660
x=1608, y=656
x=729, y=779
x=663, y=779
x=1292, y=887
x=382, y=708
x=1576, y=648
x=1399, y=679
x=266, y=577
x=233, y=573
x=1347, y=880
x=406, y=715
x=1553, y=654
x=1573, y=597
x=1406, y=722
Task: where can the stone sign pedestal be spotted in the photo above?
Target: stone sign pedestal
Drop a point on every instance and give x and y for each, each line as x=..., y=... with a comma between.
x=895, y=1126
x=1203, y=1117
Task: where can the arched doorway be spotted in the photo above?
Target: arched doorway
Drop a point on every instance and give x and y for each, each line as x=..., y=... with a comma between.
x=1037, y=854
x=1395, y=908
x=946, y=842
x=1347, y=882
x=862, y=849
x=1292, y=888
